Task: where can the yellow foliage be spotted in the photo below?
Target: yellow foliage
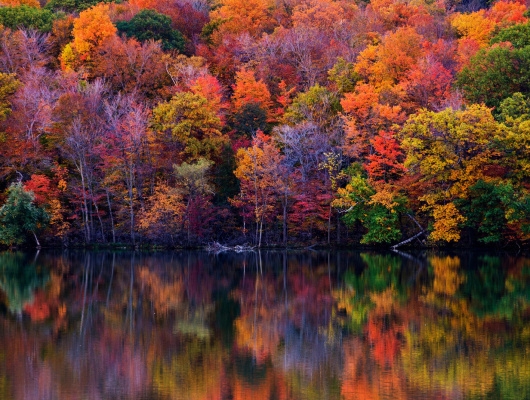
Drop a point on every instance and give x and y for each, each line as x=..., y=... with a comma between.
x=91, y=29
x=384, y=301
x=474, y=26
x=446, y=221
x=239, y=16
x=165, y=212
x=385, y=197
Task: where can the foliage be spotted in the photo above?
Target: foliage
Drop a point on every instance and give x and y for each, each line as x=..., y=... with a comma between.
x=74, y=5
x=377, y=212
x=8, y=85
x=450, y=150
x=19, y=277
x=151, y=25
x=92, y=29
x=495, y=74
x=164, y=214
x=20, y=216
x=28, y=17
x=191, y=122
x=306, y=122
x=518, y=36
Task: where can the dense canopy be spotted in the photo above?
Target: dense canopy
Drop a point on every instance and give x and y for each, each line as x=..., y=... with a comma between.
x=296, y=123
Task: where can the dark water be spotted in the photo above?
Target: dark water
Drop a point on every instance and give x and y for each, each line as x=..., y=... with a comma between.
x=275, y=325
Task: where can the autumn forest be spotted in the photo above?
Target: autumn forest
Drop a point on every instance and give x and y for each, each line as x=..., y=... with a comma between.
x=265, y=122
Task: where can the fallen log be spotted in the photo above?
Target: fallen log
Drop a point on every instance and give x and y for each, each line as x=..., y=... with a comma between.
x=408, y=240
x=217, y=247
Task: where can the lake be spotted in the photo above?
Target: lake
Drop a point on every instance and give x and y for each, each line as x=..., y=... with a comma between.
x=268, y=325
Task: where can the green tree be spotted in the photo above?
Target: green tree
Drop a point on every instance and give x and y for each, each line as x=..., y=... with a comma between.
x=496, y=73
x=150, y=25
x=250, y=118
x=28, y=17
x=486, y=208
x=378, y=215
x=518, y=35
x=514, y=107
x=71, y=6
x=318, y=105
x=20, y=216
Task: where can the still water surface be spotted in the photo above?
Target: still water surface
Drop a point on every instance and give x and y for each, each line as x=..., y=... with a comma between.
x=274, y=325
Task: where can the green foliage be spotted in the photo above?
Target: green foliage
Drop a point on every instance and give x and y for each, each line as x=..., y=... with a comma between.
x=250, y=118
x=71, y=6
x=151, y=25
x=28, y=17
x=494, y=293
x=209, y=29
x=380, y=221
x=343, y=75
x=381, y=272
x=514, y=107
x=194, y=176
x=225, y=181
x=8, y=86
x=517, y=35
x=486, y=207
x=19, y=215
x=318, y=105
x=495, y=74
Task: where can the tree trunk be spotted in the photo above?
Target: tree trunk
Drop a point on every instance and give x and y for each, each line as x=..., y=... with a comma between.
x=111, y=217
x=36, y=240
x=85, y=205
x=329, y=225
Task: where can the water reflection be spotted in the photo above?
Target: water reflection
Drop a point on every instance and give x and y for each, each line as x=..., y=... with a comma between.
x=269, y=325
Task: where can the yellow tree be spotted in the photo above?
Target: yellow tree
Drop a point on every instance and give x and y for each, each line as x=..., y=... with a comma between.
x=92, y=29
x=258, y=170
x=164, y=213
x=191, y=121
x=238, y=16
x=450, y=151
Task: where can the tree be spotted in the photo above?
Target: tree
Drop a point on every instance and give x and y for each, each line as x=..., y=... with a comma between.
x=451, y=151
x=8, y=86
x=238, y=16
x=192, y=123
x=365, y=116
x=248, y=90
x=28, y=17
x=151, y=25
x=92, y=29
x=14, y=3
x=195, y=187
x=20, y=216
x=132, y=67
x=163, y=214
x=72, y=6
x=518, y=36
x=487, y=208
x=385, y=162
x=258, y=171
x=377, y=211
x=496, y=73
